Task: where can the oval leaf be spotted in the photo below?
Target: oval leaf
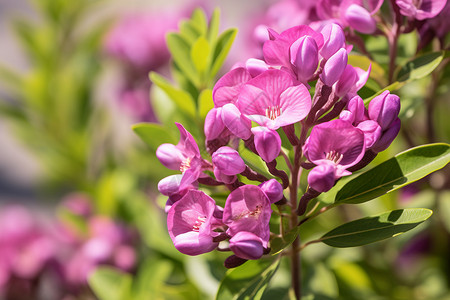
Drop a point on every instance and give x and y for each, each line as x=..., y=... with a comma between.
x=373, y=229
x=110, y=284
x=420, y=66
x=153, y=134
x=199, y=54
x=221, y=49
x=248, y=281
x=403, y=169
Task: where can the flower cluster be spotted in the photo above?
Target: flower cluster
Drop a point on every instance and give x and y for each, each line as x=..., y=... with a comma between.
x=275, y=94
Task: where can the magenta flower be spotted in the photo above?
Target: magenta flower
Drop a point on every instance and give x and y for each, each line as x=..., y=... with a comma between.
x=228, y=161
x=273, y=99
x=296, y=50
x=267, y=143
x=384, y=109
x=354, y=13
x=421, y=10
x=351, y=81
x=273, y=190
x=248, y=209
x=189, y=222
x=227, y=88
x=334, y=67
x=334, y=39
x=337, y=144
x=247, y=245
x=185, y=156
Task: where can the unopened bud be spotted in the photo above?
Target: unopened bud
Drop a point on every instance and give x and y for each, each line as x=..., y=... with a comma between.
x=384, y=109
x=334, y=39
x=267, y=143
x=305, y=57
x=273, y=190
x=247, y=245
x=360, y=19
x=228, y=161
x=334, y=67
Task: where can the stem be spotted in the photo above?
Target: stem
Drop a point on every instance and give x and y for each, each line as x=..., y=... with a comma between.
x=295, y=254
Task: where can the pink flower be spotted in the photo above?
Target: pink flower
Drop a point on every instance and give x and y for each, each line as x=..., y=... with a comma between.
x=248, y=209
x=273, y=99
x=333, y=146
x=185, y=156
x=189, y=222
x=421, y=10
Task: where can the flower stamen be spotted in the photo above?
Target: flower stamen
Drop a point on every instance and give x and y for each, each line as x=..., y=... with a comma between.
x=185, y=165
x=334, y=156
x=273, y=112
x=198, y=223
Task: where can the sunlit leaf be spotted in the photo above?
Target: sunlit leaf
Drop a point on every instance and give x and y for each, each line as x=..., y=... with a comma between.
x=181, y=98
x=153, y=134
x=403, y=169
x=420, y=66
x=205, y=103
x=248, y=281
x=110, y=284
x=181, y=55
x=200, y=52
x=221, y=49
x=373, y=229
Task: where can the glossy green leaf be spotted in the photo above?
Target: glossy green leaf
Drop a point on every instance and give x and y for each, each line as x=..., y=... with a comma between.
x=278, y=244
x=403, y=169
x=153, y=134
x=110, y=284
x=200, y=52
x=254, y=162
x=205, y=103
x=248, y=281
x=221, y=49
x=392, y=87
x=373, y=229
x=420, y=66
x=181, y=55
x=188, y=31
x=181, y=98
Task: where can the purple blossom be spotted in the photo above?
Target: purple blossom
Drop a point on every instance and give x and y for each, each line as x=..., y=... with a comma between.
x=273, y=99
x=247, y=245
x=185, y=156
x=267, y=143
x=292, y=47
x=337, y=144
x=273, y=190
x=421, y=10
x=189, y=222
x=228, y=161
x=334, y=67
x=248, y=209
x=334, y=39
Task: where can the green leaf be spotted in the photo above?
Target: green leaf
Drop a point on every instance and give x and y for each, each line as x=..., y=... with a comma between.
x=199, y=21
x=181, y=98
x=200, y=52
x=153, y=134
x=278, y=244
x=205, y=103
x=248, y=281
x=110, y=284
x=373, y=229
x=254, y=162
x=403, y=169
x=420, y=66
x=188, y=32
x=221, y=49
x=364, y=62
x=181, y=55
x=214, y=23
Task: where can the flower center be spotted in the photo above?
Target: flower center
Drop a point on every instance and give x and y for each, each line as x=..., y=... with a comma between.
x=185, y=165
x=273, y=112
x=334, y=156
x=251, y=213
x=198, y=223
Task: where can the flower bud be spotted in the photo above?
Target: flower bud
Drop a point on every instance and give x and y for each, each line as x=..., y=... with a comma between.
x=305, y=57
x=372, y=132
x=247, y=245
x=334, y=39
x=228, y=161
x=384, y=109
x=222, y=177
x=170, y=156
x=347, y=116
x=170, y=185
x=267, y=143
x=360, y=19
x=237, y=123
x=387, y=136
x=322, y=177
x=213, y=124
x=357, y=108
x=334, y=67
x=346, y=82
x=255, y=66
x=273, y=190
